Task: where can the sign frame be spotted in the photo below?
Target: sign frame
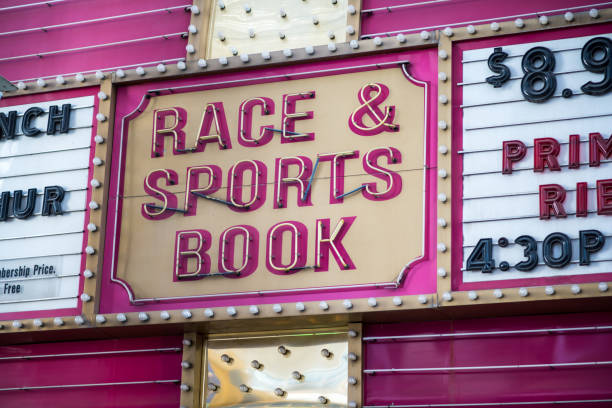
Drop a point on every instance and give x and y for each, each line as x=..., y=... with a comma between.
x=449, y=254
x=124, y=301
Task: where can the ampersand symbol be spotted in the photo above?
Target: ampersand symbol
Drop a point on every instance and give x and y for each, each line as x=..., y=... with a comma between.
x=381, y=122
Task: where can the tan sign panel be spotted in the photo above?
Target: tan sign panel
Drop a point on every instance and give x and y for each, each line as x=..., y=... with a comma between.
x=283, y=186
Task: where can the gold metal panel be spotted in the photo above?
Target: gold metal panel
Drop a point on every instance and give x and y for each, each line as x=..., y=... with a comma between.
x=384, y=238
x=265, y=23
x=320, y=376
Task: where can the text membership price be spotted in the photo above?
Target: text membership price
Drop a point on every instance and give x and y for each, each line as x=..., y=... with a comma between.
x=539, y=82
x=556, y=251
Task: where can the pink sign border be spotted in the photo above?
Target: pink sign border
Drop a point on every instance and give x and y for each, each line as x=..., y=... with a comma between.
x=420, y=279
x=457, y=164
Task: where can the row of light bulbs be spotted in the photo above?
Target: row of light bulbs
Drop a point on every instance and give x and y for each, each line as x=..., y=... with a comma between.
x=231, y=310
x=522, y=292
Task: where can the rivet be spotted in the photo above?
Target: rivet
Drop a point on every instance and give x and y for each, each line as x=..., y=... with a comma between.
x=471, y=29
x=519, y=23
x=523, y=292
x=397, y=301
x=447, y=296
x=498, y=293
x=472, y=295
x=549, y=290
x=448, y=32
x=442, y=272
x=495, y=26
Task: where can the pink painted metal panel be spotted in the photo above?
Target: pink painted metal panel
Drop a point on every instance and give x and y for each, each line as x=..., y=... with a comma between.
x=491, y=385
x=149, y=365
x=425, y=14
x=420, y=277
x=141, y=25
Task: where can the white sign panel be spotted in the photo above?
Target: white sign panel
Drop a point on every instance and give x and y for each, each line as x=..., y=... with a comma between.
x=536, y=151
x=44, y=169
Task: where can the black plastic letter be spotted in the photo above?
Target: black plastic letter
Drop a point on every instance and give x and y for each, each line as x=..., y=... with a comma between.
x=495, y=65
x=8, y=124
x=594, y=47
x=28, y=117
x=591, y=241
x=4, y=203
x=52, y=200
x=55, y=118
x=25, y=212
x=538, y=64
x=530, y=252
x=481, y=257
x=557, y=238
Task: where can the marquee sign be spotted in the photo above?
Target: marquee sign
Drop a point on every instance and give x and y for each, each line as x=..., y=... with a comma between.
x=536, y=184
x=44, y=162
x=274, y=187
